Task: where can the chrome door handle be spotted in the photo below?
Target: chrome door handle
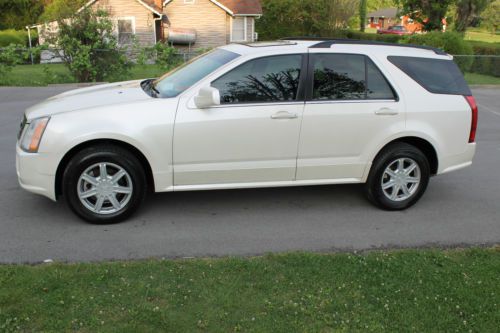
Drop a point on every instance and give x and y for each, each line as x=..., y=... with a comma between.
x=284, y=115
x=386, y=112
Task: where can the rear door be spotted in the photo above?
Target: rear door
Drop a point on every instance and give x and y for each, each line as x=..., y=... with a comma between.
x=351, y=108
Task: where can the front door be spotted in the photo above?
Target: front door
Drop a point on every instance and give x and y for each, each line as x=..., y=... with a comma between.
x=252, y=137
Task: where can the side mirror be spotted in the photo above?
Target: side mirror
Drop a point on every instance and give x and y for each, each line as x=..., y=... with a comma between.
x=207, y=97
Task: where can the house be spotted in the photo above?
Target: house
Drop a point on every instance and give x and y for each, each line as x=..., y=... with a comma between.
x=188, y=23
x=383, y=18
x=386, y=17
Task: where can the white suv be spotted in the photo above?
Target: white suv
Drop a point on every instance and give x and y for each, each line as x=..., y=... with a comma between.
x=286, y=113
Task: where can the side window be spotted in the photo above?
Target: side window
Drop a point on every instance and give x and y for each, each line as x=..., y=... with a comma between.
x=377, y=85
x=348, y=77
x=268, y=79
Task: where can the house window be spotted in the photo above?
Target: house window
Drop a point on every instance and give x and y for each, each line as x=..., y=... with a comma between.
x=125, y=30
x=238, y=29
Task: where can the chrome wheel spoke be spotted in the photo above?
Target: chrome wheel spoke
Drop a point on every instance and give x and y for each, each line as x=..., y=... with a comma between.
x=98, y=204
x=405, y=190
x=117, y=176
x=89, y=179
x=114, y=202
x=410, y=169
x=103, y=172
x=122, y=189
x=88, y=194
x=395, y=192
x=388, y=185
x=412, y=180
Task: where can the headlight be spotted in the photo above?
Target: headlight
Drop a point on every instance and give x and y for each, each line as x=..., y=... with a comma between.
x=33, y=134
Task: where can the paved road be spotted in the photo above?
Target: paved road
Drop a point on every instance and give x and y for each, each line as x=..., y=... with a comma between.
x=461, y=208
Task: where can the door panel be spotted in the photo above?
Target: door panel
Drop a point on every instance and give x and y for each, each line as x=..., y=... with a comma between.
x=351, y=109
x=236, y=144
x=252, y=136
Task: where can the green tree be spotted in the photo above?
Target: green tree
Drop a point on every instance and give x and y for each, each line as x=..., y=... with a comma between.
x=490, y=18
x=89, y=47
x=304, y=17
x=59, y=9
x=17, y=14
x=467, y=11
x=427, y=12
x=362, y=15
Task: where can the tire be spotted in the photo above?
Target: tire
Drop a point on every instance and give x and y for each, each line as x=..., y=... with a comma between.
x=124, y=180
x=386, y=181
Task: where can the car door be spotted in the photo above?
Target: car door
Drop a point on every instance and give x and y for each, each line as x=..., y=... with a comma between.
x=351, y=108
x=252, y=136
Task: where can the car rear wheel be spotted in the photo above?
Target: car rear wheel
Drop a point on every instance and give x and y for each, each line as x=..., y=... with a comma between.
x=104, y=184
x=398, y=178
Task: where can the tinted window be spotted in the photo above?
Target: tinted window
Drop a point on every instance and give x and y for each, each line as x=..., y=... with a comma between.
x=436, y=75
x=377, y=85
x=348, y=77
x=267, y=79
x=183, y=77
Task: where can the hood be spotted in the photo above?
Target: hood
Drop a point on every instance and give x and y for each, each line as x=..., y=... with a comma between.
x=90, y=97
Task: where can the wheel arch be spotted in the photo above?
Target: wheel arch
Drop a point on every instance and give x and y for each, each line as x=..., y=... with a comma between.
x=79, y=147
x=426, y=147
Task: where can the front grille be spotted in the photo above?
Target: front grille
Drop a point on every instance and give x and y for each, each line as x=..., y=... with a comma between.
x=21, y=127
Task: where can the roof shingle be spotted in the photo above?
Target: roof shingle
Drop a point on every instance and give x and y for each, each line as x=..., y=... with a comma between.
x=241, y=7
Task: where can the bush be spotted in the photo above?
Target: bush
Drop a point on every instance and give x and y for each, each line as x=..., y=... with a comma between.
x=482, y=63
x=450, y=42
x=89, y=46
x=10, y=57
x=11, y=36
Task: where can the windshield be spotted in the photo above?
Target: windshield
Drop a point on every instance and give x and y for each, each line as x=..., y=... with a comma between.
x=183, y=77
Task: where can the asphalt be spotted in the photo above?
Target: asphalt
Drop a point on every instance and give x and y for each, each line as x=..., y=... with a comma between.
x=459, y=209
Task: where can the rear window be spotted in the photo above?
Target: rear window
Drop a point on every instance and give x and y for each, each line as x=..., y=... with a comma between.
x=436, y=75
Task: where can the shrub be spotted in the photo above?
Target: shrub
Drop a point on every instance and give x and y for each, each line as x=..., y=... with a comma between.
x=11, y=36
x=482, y=63
x=9, y=57
x=450, y=42
x=89, y=46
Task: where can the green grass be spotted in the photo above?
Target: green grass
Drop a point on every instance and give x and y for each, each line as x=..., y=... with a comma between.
x=479, y=79
x=398, y=291
x=42, y=75
x=482, y=36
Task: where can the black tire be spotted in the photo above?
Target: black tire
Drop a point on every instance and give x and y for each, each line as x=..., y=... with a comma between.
x=112, y=155
x=388, y=156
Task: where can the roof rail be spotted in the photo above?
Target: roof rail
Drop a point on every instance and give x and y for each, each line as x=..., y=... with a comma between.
x=328, y=42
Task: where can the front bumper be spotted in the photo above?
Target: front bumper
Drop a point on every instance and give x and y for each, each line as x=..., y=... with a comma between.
x=34, y=173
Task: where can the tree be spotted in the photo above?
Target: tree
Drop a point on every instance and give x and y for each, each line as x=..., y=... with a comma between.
x=17, y=14
x=429, y=13
x=467, y=11
x=490, y=18
x=59, y=9
x=89, y=47
x=362, y=15
x=304, y=17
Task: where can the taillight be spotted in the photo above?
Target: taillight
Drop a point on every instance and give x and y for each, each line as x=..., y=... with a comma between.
x=473, y=126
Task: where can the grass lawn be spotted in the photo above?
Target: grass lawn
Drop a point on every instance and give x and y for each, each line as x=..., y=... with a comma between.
x=474, y=78
x=482, y=36
x=42, y=75
x=397, y=291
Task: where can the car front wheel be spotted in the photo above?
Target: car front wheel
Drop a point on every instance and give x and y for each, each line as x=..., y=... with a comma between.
x=104, y=184
x=398, y=178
